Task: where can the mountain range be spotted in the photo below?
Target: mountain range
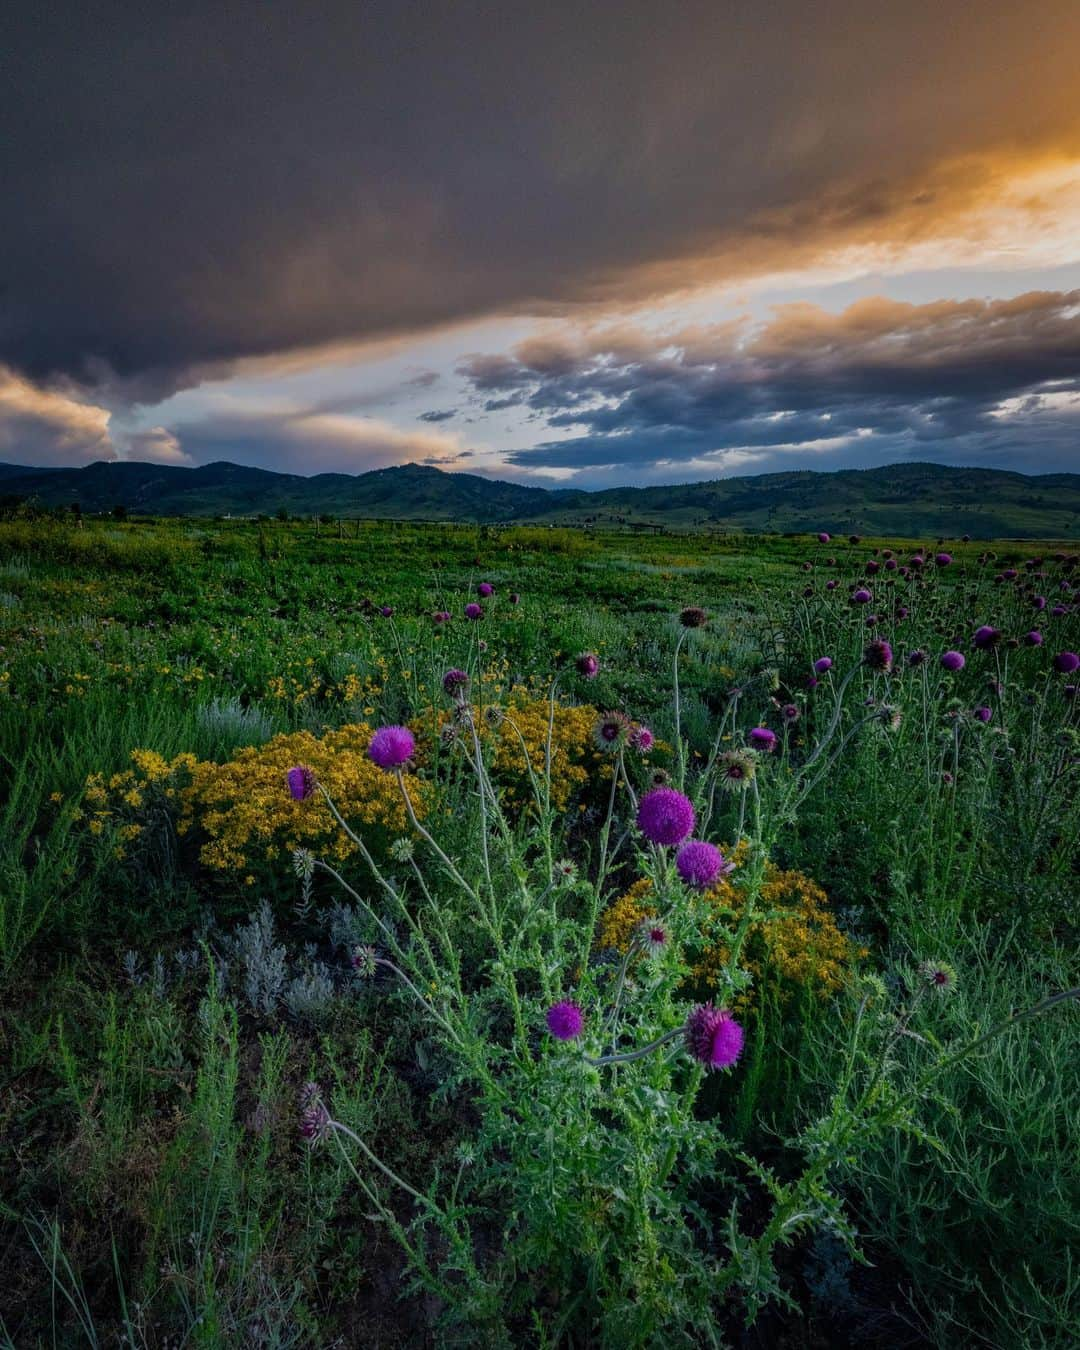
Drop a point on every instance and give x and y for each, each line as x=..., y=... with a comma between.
x=897, y=499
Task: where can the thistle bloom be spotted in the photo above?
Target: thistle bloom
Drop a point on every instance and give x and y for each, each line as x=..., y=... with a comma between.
x=939, y=976
x=474, y=611
x=861, y=596
x=387, y=611
x=301, y=781
x=823, y=538
x=916, y=657
x=700, y=863
x=986, y=637
x=612, y=731
x=822, y=664
x=982, y=713
x=693, y=617
x=455, y=682
x=642, y=739
x=653, y=937
x=736, y=769
x=588, y=665
x=565, y=1021
x=878, y=655
x=665, y=816
x=515, y=599
x=1034, y=638
x=1066, y=662
x=1039, y=602
x=830, y=585
x=391, y=747
x=485, y=589
x=441, y=616
x=943, y=559
x=713, y=1037
x=314, y=1117
x=761, y=738
x=952, y=660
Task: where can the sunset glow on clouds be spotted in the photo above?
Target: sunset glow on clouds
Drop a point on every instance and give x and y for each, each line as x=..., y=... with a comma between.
x=641, y=244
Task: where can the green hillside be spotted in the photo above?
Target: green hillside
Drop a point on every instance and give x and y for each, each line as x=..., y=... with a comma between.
x=898, y=499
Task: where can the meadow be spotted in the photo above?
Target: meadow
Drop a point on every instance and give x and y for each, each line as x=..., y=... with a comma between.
x=438, y=935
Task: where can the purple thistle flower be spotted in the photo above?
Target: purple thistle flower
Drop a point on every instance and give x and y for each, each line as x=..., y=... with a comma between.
x=822, y=664
x=713, y=1037
x=474, y=611
x=812, y=682
x=982, y=713
x=665, y=816
x=878, y=655
x=653, y=937
x=455, y=682
x=952, y=660
x=861, y=596
x=986, y=637
x=588, y=665
x=902, y=612
x=891, y=564
x=873, y=566
x=387, y=611
x=916, y=560
x=1010, y=574
x=761, y=738
x=790, y=713
x=939, y=976
x=301, y=781
x=700, y=864
x=1059, y=611
x=824, y=538
x=1066, y=662
x=1034, y=638
x=943, y=559
x=1039, y=602
x=916, y=657
x=485, y=589
x=565, y=1021
x=391, y=747
x=441, y=616
x=642, y=739
x=612, y=731
x=693, y=617
x=830, y=585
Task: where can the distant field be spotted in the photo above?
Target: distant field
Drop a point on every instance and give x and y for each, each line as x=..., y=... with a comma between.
x=179, y=959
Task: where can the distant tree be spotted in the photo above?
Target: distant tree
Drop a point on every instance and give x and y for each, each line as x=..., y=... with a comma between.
x=282, y=513
x=119, y=511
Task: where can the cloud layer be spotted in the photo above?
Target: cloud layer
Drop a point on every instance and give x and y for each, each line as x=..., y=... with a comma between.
x=966, y=381
x=203, y=183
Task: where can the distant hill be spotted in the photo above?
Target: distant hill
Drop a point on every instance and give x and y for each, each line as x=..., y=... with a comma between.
x=905, y=499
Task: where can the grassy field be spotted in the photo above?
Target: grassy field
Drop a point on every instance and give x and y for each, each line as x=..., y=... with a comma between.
x=447, y=1037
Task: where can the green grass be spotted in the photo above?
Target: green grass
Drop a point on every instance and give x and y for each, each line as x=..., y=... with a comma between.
x=153, y=1185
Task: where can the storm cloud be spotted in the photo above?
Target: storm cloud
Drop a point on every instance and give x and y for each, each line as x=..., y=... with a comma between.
x=880, y=380
x=200, y=184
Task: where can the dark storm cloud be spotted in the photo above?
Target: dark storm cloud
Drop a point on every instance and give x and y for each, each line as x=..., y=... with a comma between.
x=438, y=415
x=952, y=378
x=188, y=185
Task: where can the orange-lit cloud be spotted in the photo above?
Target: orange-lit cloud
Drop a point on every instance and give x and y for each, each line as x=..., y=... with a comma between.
x=46, y=427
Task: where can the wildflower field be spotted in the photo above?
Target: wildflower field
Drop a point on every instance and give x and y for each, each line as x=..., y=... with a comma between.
x=428, y=935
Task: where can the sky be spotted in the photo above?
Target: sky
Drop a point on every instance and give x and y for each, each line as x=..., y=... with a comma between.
x=562, y=244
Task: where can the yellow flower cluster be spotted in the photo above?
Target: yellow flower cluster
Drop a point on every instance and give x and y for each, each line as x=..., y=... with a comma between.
x=247, y=814
x=795, y=936
x=523, y=731
x=243, y=807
